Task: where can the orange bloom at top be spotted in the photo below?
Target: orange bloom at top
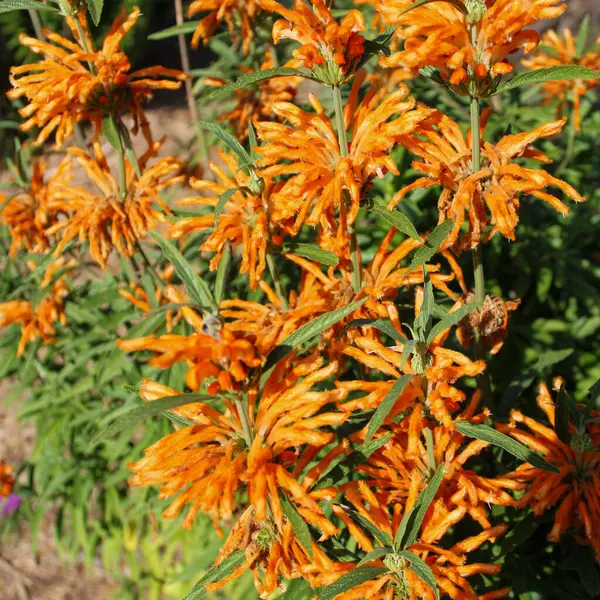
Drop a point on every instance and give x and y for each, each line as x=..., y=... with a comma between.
x=439, y=34
x=75, y=82
x=445, y=157
x=557, y=51
x=331, y=49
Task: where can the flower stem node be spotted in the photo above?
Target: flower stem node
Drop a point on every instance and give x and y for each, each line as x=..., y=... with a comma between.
x=256, y=184
x=395, y=563
x=476, y=10
x=581, y=442
x=421, y=359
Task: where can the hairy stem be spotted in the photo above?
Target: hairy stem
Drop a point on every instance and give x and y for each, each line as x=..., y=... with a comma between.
x=343, y=140
x=277, y=281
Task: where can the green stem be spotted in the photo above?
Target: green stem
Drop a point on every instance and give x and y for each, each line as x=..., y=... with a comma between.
x=343, y=141
x=122, y=169
x=36, y=21
x=242, y=408
x=430, y=449
x=277, y=281
x=570, y=147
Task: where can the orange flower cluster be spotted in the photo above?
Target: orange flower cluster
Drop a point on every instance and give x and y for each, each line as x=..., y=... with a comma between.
x=557, y=51
x=74, y=82
x=468, y=40
x=7, y=480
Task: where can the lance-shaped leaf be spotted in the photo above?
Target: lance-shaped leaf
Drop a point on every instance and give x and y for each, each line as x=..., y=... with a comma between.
x=431, y=245
x=95, y=9
x=188, y=27
x=228, y=140
x=228, y=566
x=310, y=330
x=422, y=570
x=423, y=321
x=221, y=202
x=451, y=319
x=298, y=525
x=196, y=287
x=383, y=410
x=455, y=3
x=487, y=434
x=409, y=527
x=10, y=5
x=374, y=555
x=397, y=219
x=147, y=411
x=384, y=325
x=350, y=580
x=222, y=273
x=311, y=252
x=564, y=73
x=110, y=131
x=255, y=77
x=383, y=537
x=582, y=36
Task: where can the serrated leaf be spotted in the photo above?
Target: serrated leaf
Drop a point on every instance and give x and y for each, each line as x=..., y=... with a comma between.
x=228, y=566
x=228, y=140
x=111, y=133
x=298, y=525
x=311, y=252
x=582, y=36
x=351, y=580
x=409, y=527
x=188, y=27
x=310, y=330
x=95, y=9
x=374, y=555
x=221, y=202
x=196, y=287
x=254, y=77
x=384, y=325
x=397, y=219
x=10, y=5
x=431, y=245
x=419, y=3
x=487, y=434
x=422, y=570
x=423, y=321
x=222, y=273
x=451, y=319
x=383, y=410
x=563, y=73
x=147, y=411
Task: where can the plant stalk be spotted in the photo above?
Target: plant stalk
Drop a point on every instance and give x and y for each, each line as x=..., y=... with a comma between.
x=343, y=141
x=570, y=147
x=277, y=281
x=36, y=21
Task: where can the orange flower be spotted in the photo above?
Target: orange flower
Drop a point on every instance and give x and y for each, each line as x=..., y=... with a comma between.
x=75, y=82
x=105, y=218
x=7, y=479
x=243, y=221
x=575, y=490
x=557, y=51
x=214, y=353
x=331, y=50
x=445, y=157
x=252, y=444
x=439, y=34
x=38, y=321
x=231, y=12
x=253, y=105
x=28, y=215
x=320, y=176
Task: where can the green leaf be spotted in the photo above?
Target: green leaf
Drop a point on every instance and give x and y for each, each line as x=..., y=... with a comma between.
x=563, y=73
x=228, y=140
x=228, y=566
x=95, y=9
x=310, y=330
x=311, y=252
x=454, y=3
x=374, y=555
x=383, y=410
x=431, y=245
x=188, y=27
x=110, y=131
x=487, y=434
x=298, y=589
x=147, y=411
x=298, y=525
x=397, y=219
x=582, y=36
x=196, y=287
x=382, y=536
x=222, y=273
x=384, y=325
x=255, y=77
x=423, y=321
x=10, y=5
x=129, y=151
x=451, y=319
x=221, y=202
x=422, y=570
x=409, y=527
x=253, y=141
x=5, y=124
x=561, y=422
x=351, y=580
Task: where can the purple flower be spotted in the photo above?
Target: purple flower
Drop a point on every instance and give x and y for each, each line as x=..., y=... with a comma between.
x=10, y=504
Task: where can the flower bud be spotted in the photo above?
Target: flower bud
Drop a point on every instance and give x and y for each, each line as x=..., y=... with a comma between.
x=395, y=563
x=256, y=184
x=476, y=10
x=581, y=442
